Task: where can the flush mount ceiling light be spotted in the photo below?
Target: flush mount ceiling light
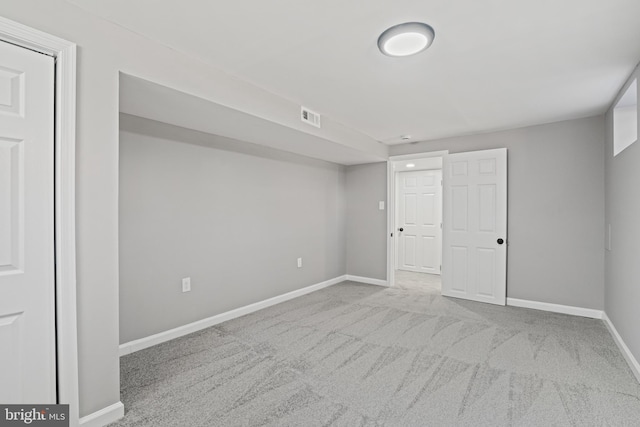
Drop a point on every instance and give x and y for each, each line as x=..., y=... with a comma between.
x=406, y=39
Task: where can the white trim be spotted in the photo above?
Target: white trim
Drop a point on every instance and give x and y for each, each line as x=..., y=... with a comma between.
x=142, y=343
x=368, y=280
x=418, y=155
x=555, y=308
x=391, y=204
x=104, y=416
x=631, y=360
x=391, y=222
x=65, y=223
x=66, y=226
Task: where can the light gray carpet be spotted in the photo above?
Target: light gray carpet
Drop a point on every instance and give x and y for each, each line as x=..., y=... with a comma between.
x=429, y=283
x=360, y=355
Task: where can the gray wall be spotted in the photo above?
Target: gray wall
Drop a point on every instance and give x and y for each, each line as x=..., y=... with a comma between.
x=233, y=221
x=556, y=208
x=366, y=224
x=622, y=263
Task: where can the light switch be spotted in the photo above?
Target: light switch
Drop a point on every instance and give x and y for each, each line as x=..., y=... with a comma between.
x=186, y=284
x=381, y=205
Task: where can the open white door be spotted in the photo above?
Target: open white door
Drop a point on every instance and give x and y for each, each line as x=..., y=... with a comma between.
x=419, y=221
x=27, y=325
x=475, y=226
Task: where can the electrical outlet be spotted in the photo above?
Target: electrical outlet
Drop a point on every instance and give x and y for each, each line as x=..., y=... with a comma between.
x=186, y=284
x=299, y=262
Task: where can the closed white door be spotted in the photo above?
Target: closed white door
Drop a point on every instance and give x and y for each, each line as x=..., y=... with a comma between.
x=419, y=221
x=475, y=226
x=27, y=328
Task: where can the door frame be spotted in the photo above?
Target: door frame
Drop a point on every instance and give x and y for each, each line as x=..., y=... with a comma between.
x=396, y=164
x=64, y=53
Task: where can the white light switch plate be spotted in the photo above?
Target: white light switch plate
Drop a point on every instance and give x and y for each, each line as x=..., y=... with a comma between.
x=186, y=284
x=381, y=206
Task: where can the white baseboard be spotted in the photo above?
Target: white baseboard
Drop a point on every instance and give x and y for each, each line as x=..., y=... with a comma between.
x=142, y=343
x=631, y=360
x=104, y=416
x=555, y=308
x=367, y=280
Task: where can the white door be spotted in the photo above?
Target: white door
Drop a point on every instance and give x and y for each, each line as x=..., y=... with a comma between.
x=475, y=226
x=27, y=328
x=419, y=221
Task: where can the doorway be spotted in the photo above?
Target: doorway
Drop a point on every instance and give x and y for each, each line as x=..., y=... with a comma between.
x=61, y=188
x=473, y=224
x=415, y=221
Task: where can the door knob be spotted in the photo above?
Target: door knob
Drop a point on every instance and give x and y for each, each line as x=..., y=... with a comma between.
x=401, y=229
x=500, y=241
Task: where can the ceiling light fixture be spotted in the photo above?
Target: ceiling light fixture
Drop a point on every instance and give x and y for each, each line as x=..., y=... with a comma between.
x=406, y=39
x=410, y=165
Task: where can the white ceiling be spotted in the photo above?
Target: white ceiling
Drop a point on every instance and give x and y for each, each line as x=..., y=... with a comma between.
x=494, y=64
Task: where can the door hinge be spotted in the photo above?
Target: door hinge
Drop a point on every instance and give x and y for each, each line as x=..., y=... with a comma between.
x=440, y=267
x=440, y=225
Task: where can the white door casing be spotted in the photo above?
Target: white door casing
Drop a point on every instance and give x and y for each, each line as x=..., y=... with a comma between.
x=419, y=217
x=475, y=222
x=27, y=291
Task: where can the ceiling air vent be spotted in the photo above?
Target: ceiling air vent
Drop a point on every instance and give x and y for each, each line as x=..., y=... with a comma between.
x=310, y=117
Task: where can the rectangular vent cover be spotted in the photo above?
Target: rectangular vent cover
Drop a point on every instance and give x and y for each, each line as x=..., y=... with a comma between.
x=310, y=117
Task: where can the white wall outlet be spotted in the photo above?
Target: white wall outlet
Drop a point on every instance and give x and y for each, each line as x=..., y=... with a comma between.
x=299, y=262
x=381, y=205
x=186, y=284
